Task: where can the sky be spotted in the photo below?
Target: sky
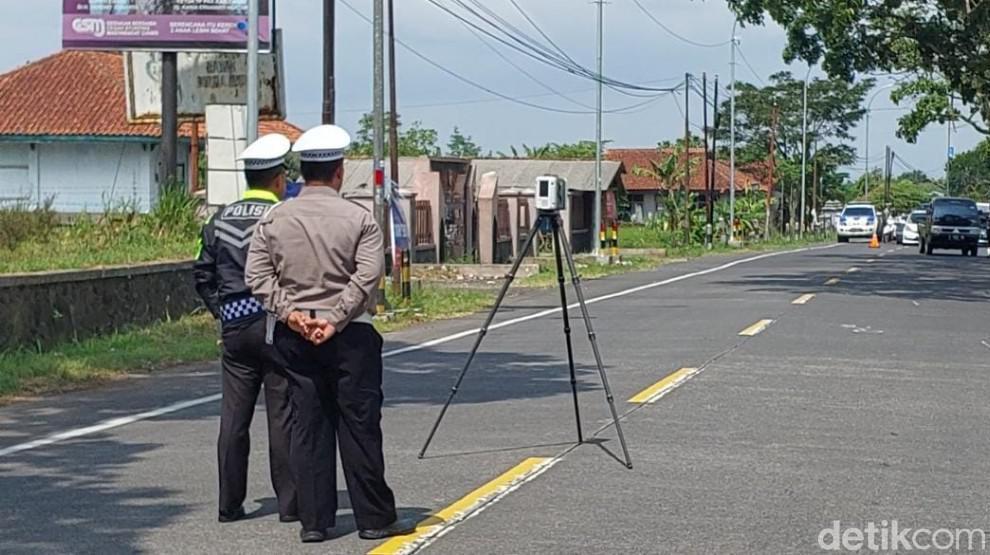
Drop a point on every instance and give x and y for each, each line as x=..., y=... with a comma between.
x=636, y=51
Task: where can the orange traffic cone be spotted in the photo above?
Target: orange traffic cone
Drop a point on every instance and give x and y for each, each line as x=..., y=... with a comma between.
x=875, y=242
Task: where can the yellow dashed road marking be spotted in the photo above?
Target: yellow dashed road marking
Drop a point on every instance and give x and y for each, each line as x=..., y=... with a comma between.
x=803, y=299
x=659, y=389
x=464, y=508
x=756, y=328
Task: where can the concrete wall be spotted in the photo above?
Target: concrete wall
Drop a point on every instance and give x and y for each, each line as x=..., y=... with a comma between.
x=82, y=176
x=47, y=308
x=17, y=184
x=645, y=209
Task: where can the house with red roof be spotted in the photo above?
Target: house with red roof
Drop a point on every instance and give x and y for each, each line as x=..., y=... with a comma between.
x=644, y=190
x=65, y=137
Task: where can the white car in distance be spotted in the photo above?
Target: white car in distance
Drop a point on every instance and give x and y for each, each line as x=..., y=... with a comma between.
x=857, y=221
x=910, y=235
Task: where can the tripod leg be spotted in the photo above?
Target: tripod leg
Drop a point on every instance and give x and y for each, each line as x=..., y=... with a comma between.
x=594, y=343
x=567, y=325
x=509, y=278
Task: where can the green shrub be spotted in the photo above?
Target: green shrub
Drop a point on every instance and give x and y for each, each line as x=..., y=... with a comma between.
x=21, y=223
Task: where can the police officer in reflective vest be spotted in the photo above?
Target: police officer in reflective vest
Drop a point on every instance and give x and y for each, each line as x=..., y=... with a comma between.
x=315, y=262
x=247, y=362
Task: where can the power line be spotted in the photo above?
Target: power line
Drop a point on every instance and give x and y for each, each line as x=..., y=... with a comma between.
x=748, y=65
x=485, y=100
x=520, y=69
x=674, y=34
x=532, y=48
x=540, y=30
x=494, y=92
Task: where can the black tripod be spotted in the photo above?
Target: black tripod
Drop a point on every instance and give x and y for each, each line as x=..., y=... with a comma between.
x=549, y=223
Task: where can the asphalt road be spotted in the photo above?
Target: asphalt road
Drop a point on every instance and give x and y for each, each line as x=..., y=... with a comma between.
x=867, y=403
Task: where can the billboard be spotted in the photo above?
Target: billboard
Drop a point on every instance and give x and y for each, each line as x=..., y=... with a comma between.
x=160, y=24
x=203, y=78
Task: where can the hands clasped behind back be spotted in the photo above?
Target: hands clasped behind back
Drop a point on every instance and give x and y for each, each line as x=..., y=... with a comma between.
x=316, y=330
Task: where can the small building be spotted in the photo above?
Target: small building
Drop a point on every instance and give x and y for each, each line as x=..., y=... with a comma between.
x=65, y=137
x=436, y=198
x=644, y=190
x=515, y=182
x=482, y=210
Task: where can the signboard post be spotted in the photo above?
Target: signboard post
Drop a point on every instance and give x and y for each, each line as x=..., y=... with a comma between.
x=163, y=25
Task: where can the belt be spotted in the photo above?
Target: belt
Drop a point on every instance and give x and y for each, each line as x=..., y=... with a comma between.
x=240, y=309
x=362, y=318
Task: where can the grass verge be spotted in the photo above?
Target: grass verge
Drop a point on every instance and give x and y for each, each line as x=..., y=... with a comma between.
x=187, y=340
x=100, y=359
x=194, y=338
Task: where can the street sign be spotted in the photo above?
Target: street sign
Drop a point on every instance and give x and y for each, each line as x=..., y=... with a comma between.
x=177, y=25
x=204, y=78
x=952, y=151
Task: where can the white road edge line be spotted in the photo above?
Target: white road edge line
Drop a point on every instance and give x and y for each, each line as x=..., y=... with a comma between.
x=175, y=407
x=107, y=425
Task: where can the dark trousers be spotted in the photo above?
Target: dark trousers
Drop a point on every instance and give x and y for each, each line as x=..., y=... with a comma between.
x=336, y=393
x=248, y=362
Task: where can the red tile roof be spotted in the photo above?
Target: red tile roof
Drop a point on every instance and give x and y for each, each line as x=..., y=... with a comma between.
x=81, y=93
x=633, y=158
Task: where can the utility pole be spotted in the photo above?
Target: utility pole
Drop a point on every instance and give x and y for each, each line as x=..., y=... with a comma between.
x=170, y=117
x=393, y=138
x=378, y=101
x=773, y=167
x=804, y=153
x=170, y=113
x=687, y=149
x=712, y=189
x=708, y=190
x=889, y=167
x=598, y=130
x=814, y=184
x=948, y=147
x=866, y=158
x=732, y=137
x=252, y=72
x=329, y=92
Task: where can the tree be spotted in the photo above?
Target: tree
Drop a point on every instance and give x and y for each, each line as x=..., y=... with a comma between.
x=905, y=195
x=413, y=141
x=939, y=47
x=462, y=146
x=915, y=176
x=834, y=108
x=969, y=173
x=581, y=150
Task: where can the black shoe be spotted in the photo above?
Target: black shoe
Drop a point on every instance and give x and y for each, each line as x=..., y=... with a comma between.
x=288, y=518
x=231, y=516
x=315, y=536
x=397, y=528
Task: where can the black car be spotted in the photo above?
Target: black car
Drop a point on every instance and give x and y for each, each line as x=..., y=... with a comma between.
x=951, y=223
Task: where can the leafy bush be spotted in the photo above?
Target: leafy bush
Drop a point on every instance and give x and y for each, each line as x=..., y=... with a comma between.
x=175, y=213
x=21, y=223
x=118, y=235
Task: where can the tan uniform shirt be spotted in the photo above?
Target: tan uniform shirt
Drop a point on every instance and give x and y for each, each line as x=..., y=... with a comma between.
x=320, y=252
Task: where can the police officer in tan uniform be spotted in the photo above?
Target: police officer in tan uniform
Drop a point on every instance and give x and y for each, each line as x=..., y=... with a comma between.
x=315, y=264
